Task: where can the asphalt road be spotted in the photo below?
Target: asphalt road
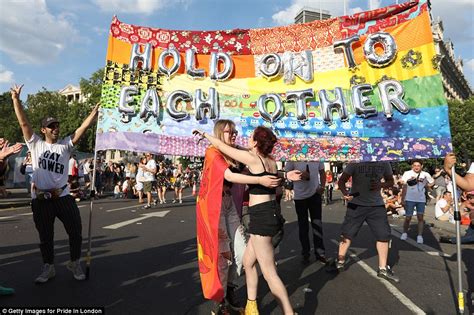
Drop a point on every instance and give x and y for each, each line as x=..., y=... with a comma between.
x=145, y=262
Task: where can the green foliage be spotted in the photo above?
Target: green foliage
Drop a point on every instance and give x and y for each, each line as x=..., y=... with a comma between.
x=461, y=119
x=9, y=128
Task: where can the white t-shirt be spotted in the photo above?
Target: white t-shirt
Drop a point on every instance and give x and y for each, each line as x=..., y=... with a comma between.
x=471, y=169
x=150, y=177
x=416, y=193
x=50, y=163
x=85, y=167
x=363, y=175
x=125, y=185
x=72, y=161
x=440, y=204
x=305, y=188
x=140, y=175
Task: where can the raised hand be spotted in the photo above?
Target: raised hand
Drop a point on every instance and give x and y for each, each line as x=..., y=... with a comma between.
x=15, y=90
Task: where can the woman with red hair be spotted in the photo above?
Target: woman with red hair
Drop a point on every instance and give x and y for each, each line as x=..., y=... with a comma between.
x=266, y=220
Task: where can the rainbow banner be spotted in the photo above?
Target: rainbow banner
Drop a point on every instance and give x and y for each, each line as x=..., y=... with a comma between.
x=364, y=87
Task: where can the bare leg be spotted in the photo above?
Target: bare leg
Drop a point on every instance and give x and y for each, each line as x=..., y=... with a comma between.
x=265, y=256
x=344, y=245
x=382, y=250
x=406, y=224
x=163, y=189
x=251, y=274
x=421, y=223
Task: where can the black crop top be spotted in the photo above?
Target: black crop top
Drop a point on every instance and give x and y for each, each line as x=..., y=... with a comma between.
x=257, y=189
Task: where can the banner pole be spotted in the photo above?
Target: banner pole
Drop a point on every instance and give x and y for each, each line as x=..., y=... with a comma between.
x=457, y=219
x=89, y=236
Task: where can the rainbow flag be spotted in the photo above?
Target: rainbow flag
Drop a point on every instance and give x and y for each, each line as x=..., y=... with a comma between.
x=297, y=79
x=208, y=210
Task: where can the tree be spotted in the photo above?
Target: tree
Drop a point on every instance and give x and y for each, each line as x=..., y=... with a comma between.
x=9, y=128
x=462, y=128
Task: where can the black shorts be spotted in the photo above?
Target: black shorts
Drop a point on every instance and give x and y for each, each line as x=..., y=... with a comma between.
x=375, y=216
x=265, y=219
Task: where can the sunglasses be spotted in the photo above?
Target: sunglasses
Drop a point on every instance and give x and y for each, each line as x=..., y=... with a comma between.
x=53, y=126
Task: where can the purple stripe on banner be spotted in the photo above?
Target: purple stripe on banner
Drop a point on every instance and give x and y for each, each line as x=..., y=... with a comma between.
x=320, y=149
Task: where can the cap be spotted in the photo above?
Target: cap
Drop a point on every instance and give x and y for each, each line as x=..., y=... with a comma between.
x=45, y=122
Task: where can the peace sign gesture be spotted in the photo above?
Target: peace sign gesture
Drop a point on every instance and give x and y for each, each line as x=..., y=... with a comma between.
x=15, y=90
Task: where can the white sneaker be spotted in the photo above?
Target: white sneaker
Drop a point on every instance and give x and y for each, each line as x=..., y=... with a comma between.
x=174, y=201
x=419, y=239
x=180, y=201
x=47, y=273
x=76, y=269
x=404, y=236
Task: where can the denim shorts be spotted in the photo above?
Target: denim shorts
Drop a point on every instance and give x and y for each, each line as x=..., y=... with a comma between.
x=411, y=205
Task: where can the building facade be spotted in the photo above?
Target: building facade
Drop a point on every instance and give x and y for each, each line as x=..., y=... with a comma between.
x=73, y=93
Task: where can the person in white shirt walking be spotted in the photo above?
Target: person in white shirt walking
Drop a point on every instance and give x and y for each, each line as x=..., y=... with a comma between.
x=149, y=171
x=415, y=182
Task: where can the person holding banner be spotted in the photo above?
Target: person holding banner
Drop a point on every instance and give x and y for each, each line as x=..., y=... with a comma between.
x=50, y=193
x=465, y=183
x=266, y=220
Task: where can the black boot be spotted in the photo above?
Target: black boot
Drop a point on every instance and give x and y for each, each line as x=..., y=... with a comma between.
x=219, y=308
x=232, y=299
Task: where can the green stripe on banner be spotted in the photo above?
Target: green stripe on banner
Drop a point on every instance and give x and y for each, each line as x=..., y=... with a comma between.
x=422, y=92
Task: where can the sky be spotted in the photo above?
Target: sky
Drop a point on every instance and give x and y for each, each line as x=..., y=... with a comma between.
x=51, y=43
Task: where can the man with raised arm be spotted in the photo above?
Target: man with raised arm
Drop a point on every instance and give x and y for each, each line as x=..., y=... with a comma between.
x=50, y=193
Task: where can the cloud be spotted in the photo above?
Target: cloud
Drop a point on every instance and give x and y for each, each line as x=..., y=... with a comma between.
x=287, y=16
x=6, y=76
x=130, y=6
x=457, y=19
x=31, y=34
x=355, y=10
x=374, y=4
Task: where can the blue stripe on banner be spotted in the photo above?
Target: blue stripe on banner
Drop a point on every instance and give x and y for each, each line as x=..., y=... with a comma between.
x=431, y=122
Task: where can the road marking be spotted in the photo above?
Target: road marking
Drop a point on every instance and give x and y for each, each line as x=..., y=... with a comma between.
x=390, y=287
x=425, y=248
x=141, y=205
x=159, y=214
x=5, y=218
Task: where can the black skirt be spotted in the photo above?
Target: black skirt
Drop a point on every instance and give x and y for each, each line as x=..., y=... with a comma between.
x=265, y=219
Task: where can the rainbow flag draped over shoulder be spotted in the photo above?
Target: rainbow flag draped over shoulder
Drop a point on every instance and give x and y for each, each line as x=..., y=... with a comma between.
x=380, y=97
x=208, y=210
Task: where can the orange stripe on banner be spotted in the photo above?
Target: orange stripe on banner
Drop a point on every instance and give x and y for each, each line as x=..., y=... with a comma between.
x=413, y=33
x=119, y=51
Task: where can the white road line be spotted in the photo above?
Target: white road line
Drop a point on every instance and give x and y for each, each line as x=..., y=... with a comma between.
x=427, y=249
x=139, y=205
x=142, y=217
x=5, y=218
x=390, y=287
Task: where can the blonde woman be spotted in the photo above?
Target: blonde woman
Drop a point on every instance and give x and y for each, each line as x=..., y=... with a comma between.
x=266, y=220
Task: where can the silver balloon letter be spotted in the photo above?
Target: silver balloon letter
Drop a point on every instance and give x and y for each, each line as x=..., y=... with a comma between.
x=270, y=66
x=172, y=52
x=300, y=99
x=126, y=97
x=391, y=94
x=211, y=104
x=262, y=107
x=346, y=46
x=146, y=109
x=137, y=56
x=327, y=106
x=359, y=100
x=389, y=48
x=214, y=73
x=299, y=64
x=191, y=65
x=174, y=99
